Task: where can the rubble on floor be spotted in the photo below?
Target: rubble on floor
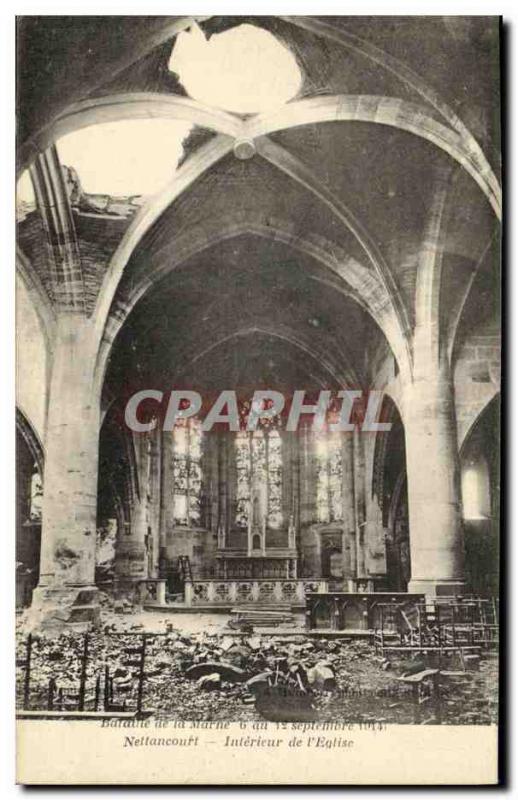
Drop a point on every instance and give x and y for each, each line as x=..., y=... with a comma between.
x=217, y=676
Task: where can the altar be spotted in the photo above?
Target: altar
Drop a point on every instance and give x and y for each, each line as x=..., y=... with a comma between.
x=276, y=564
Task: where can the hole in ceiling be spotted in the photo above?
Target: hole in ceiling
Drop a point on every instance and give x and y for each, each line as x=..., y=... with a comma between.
x=245, y=69
x=126, y=158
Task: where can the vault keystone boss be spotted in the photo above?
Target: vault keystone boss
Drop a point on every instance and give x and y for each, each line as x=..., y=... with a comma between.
x=265, y=405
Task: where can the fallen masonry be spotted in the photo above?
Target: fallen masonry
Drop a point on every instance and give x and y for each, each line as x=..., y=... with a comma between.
x=208, y=679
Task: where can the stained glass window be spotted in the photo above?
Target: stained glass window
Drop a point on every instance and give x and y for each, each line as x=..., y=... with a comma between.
x=329, y=466
x=187, y=473
x=259, y=462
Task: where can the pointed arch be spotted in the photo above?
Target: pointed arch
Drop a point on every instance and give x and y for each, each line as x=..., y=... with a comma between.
x=285, y=335
x=31, y=438
x=359, y=283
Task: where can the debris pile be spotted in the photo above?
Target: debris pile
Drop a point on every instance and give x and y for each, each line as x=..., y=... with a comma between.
x=279, y=679
x=246, y=676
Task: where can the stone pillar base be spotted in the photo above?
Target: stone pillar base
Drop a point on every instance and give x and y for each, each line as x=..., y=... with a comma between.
x=125, y=588
x=55, y=608
x=435, y=587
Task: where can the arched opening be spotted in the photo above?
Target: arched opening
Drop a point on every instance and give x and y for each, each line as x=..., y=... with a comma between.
x=390, y=491
x=29, y=500
x=480, y=485
x=272, y=331
x=114, y=503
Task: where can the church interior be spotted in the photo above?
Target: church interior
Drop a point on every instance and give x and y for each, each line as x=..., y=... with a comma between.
x=244, y=203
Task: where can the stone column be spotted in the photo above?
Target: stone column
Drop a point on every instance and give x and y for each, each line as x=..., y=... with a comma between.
x=130, y=559
x=131, y=562
x=188, y=593
x=374, y=542
x=66, y=590
x=435, y=515
x=359, y=495
x=307, y=477
x=349, y=525
x=225, y=487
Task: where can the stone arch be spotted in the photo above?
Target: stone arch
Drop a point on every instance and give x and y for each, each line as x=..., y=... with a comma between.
x=303, y=175
x=302, y=112
x=171, y=27
x=381, y=58
x=185, y=176
x=137, y=105
x=380, y=110
x=489, y=405
x=405, y=74
x=342, y=375
x=317, y=27
x=465, y=427
x=478, y=267
x=390, y=111
x=358, y=283
x=353, y=274
x=345, y=378
x=31, y=438
x=367, y=285
x=41, y=303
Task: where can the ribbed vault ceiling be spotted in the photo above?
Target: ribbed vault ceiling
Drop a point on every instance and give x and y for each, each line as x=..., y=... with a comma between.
x=242, y=291
x=327, y=222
